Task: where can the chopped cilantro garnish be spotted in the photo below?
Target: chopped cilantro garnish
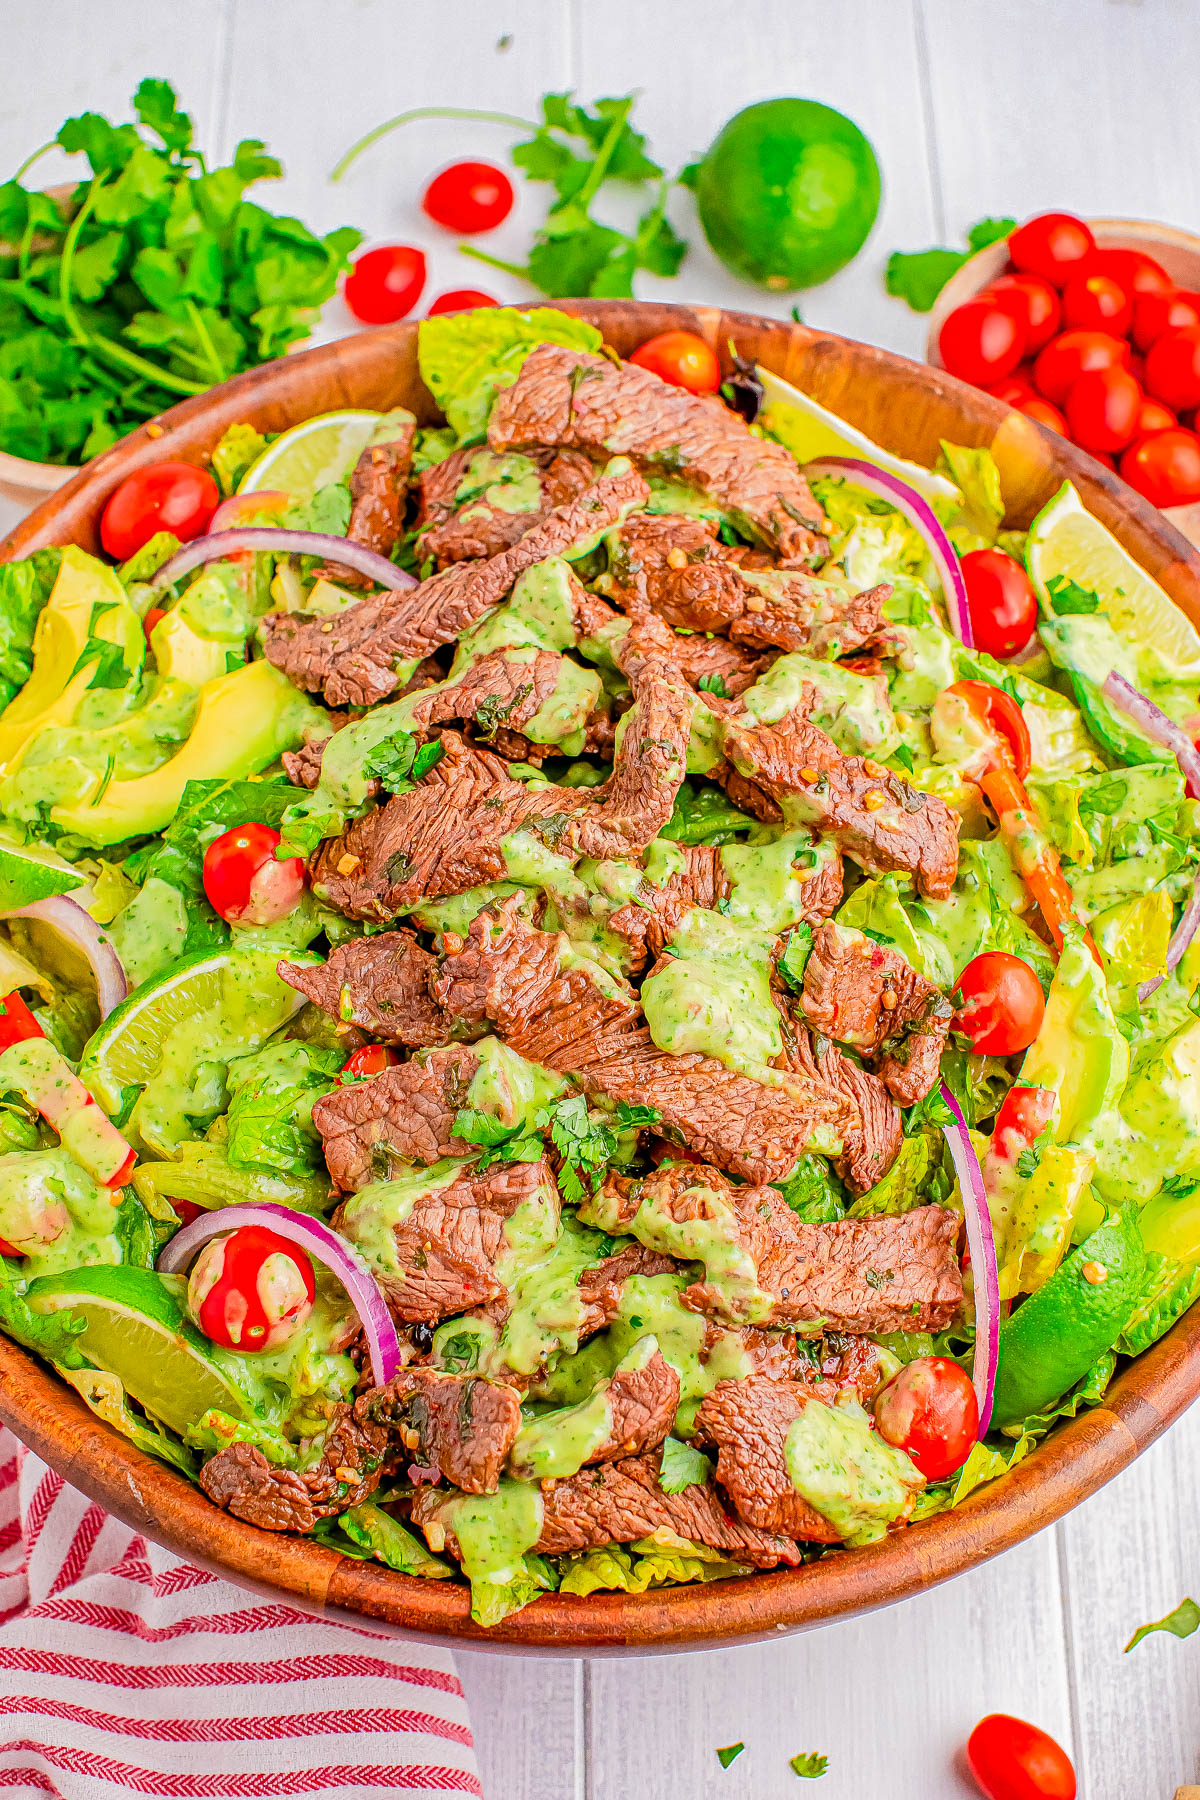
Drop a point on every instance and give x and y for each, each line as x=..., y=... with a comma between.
x=1181, y=1623
x=1066, y=596
x=398, y=761
x=682, y=1467
x=713, y=684
x=904, y=756
x=497, y=1143
x=809, y=1764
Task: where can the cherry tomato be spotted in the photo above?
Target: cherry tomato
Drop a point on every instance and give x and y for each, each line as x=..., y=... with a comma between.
x=930, y=1410
x=1045, y=413
x=1072, y=354
x=1156, y=314
x=1097, y=303
x=266, y=506
x=981, y=341
x=167, y=496
x=7, y=1249
x=244, y=881
x=458, y=300
x=385, y=284
x=469, y=197
x=1001, y=712
x=1173, y=368
x=250, y=1290
x=1000, y=601
x=1164, y=467
x=153, y=615
x=1034, y=303
x=17, y=1023
x=1002, y=1004
x=1014, y=1761
x=681, y=358
x=1054, y=246
x=1102, y=409
x=1136, y=272
x=1012, y=390
x=1136, y=365
x=1102, y=456
x=188, y=1210
x=1153, y=416
x=370, y=1059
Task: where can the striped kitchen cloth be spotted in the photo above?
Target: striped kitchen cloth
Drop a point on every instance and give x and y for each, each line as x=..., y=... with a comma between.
x=122, y=1669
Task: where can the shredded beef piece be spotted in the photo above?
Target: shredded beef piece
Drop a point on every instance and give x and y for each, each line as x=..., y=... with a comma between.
x=352, y=656
x=404, y=1115
x=459, y=531
x=380, y=983
x=847, y=1365
x=642, y=1404
x=867, y=995
x=648, y=923
x=883, y=822
x=771, y=1353
x=241, y=1480
x=303, y=767
x=378, y=492
x=693, y=659
x=566, y=397
x=870, y=1146
x=600, y=1285
x=747, y=1423
x=462, y=1425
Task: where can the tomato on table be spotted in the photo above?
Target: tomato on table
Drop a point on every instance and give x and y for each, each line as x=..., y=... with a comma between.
x=1072, y=354
x=469, y=197
x=1044, y=412
x=1136, y=272
x=1173, y=368
x=1164, y=467
x=1052, y=245
x=458, y=300
x=1013, y=389
x=369, y=1059
x=385, y=284
x=1097, y=303
x=245, y=882
x=1001, y=713
x=981, y=341
x=930, y=1411
x=1102, y=409
x=1000, y=600
x=681, y=358
x=1012, y=1760
x=1034, y=304
x=1153, y=416
x=1002, y=1004
x=167, y=496
x=250, y=1290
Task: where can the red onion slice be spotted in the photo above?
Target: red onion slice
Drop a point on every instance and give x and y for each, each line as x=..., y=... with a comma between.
x=78, y=927
x=278, y=542
x=983, y=1258
x=921, y=516
x=1161, y=730
x=321, y=1242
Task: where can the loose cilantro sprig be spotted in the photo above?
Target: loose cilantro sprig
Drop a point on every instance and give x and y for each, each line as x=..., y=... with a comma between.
x=809, y=1764
x=682, y=1467
x=728, y=1753
x=920, y=276
x=497, y=1143
x=585, y=1145
x=398, y=762
x=1066, y=596
x=1181, y=1623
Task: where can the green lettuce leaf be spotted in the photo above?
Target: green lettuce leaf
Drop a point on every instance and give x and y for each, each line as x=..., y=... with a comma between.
x=52, y=1336
x=388, y=1541
x=270, y=1115
x=105, y=1395
x=814, y=1192
x=239, y=448
x=1181, y=1624
x=904, y=1186
x=493, y=1601
x=467, y=358
x=24, y=590
x=702, y=815
x=633, y=1569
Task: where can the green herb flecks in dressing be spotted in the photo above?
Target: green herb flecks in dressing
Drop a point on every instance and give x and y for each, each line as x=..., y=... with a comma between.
x=458, y=911
x=370, y=1216
x=770, y=878
x=54, y=1214
x=494, y=1531
x=559, y=1443
x=546, y=1313
x=507, y=1086
x=507, y=483
x=149, y=933
x=713, y=994
x=847, y=1472
x=538, y=614
x=712, y=1238
x=854, y=709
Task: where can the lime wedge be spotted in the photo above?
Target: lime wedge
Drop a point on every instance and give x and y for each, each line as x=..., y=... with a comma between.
x=30, y=872
x=1065, y=539
x=138, y=1331
x=809, y=430
x=211, y=1006
x=312, y=455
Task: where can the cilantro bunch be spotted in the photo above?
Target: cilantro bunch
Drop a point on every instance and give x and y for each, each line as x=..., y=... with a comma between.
x=157, y=278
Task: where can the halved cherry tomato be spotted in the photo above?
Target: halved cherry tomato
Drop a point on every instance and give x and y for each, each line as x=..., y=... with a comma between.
x=168, y=496
x=1136, y=272
x=244, y=881
x=1024, y=1114
x=369, y=1059
x=469, y=197
x=1173, y=368
x=1002, y=1004
x=188, y=1210
x=1153, y=416
x=17, y=1023
x=1097, y=303
x=385, y=283
x=1000, y=711
x=1156, y=314
x=1164, y=467
x=1014, y=1761
x=250, y=1290
x=1035, y=304
x=682, y=358
x=153, y=615
x=1072, y=354
x=1000, y=601
x=458, y=300
x=1102, y=409
x=1052, y=245
x=930, y=1411
x=1045, y=413
x=6, y=1249
x=981, y=341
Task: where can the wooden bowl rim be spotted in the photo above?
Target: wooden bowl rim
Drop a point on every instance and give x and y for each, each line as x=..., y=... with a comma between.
x=1077, y=1458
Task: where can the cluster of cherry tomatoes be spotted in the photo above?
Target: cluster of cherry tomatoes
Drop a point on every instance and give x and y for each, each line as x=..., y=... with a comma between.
x=385, y=283
x=1095, y=343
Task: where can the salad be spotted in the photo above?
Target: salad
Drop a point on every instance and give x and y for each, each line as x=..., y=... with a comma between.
x=566, y=1023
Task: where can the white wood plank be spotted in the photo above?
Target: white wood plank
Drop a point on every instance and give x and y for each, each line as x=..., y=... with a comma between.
x=527, y=1714
x=1128, y=1556
x=890, y=1699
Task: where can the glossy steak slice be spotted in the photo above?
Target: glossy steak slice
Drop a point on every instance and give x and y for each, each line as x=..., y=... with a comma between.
x=380, y=983
x=373, y=1129
x=476, y=504
x=461, y=1425
x=242, y=1481
x=634, y=1408
x=867, y=995
x=379, y=492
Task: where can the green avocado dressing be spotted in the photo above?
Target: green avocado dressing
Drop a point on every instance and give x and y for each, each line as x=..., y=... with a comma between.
x=494, y=1531
x=546, y=1314
x=538, y=614
x=54, y=1214
x=713, y=994
x=509, y=1087
x=370, y=1216
x=847, y=1472
x=558, y=1443
x=507, y=482
x=711, y=1238
x=854, y=709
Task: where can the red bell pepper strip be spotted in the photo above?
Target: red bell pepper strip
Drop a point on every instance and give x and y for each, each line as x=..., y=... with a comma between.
x=16, y=1021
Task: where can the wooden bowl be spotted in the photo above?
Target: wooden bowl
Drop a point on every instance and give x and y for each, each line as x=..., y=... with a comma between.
x=908, y=408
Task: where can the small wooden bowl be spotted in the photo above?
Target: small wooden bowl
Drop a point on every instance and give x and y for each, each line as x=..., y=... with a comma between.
x=909, y=408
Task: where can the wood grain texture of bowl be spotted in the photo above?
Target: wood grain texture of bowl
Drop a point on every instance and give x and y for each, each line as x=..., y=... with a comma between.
x=908, y=408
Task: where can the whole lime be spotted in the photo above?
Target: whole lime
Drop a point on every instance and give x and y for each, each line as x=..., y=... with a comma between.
x=788, y=193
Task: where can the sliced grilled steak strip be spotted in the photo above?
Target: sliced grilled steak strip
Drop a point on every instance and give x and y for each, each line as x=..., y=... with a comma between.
x=380, y=983
x=404, y=1115
x=871, y=1145
x=486, y=519
x=864, y=994
x=640, y=1404
x=462, y=1425
x=243, y=1482
x=378, y=494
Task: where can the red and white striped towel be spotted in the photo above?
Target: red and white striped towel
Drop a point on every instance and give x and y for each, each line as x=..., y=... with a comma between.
x=122, y=1669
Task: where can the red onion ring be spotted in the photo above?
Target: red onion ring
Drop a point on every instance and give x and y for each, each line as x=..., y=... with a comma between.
x=78, y=927
x=321, y=1242
x=921, y=516
x=983, y=1258
x=1161, y=730
x=278, y=542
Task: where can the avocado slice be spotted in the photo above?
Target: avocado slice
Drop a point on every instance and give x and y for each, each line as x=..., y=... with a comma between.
x=1079, y=1051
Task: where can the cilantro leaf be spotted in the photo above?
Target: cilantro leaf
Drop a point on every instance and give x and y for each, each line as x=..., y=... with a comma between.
x=713, y=684
x=904, y=756
x=808, y=1764
x=1181, y=1624
x=108, y=660
x=397, y=758
x=682, y=1467
x=497, y=1142
x=919, y=276
x=629, y=1117
x=795, y=955
x=728, y=1753
x=156, y=106
x=585, y=1146
x=1066, y=596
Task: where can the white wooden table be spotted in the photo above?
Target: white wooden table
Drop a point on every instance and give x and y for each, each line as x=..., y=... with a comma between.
x=976, y=107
